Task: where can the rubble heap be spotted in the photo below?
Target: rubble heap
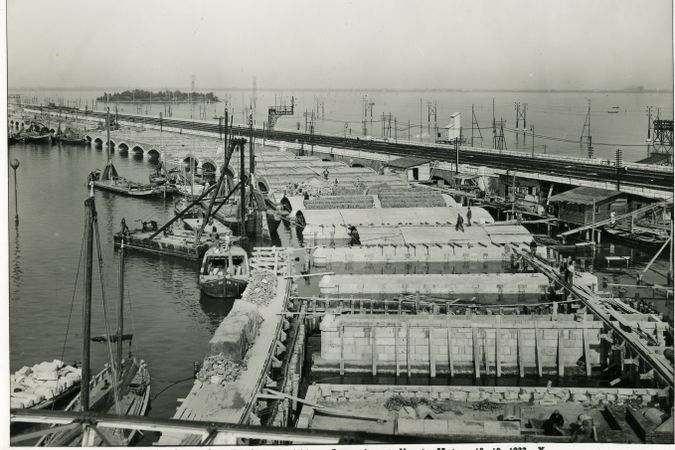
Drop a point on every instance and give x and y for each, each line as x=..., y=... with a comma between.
x=219, y=370
x=261, y=288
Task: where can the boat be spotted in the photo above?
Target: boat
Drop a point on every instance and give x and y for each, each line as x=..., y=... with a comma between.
x=613, y=110
x=224, y=272
x=35, y=137
x=122, y=387
x=70, y=137
x=43, y=385
x=174, y=241
x=111, y=182
x=640, y=236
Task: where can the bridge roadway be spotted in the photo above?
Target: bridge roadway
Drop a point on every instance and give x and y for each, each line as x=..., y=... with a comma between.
x=522, y=162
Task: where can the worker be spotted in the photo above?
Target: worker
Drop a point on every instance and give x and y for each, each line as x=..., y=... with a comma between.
x=533, y=247
x=569, y=275
x=125, y=228
x=355, y=239
x=460, y=223
x=612, y=219
x=325, y=174
x=468, y=217
x=553, y=425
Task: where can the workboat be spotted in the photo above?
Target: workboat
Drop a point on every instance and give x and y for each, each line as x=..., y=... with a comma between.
x=122, y=387
x=110, y=181
x=36, y=137
x=169, y=241
x=224, y=272
x=43, y=385
x=640, y=236
x=70, y=137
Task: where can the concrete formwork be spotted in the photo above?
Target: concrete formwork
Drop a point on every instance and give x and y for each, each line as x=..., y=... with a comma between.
x=477, y=285
x=321, y=222
x=421, y=252
x=478, y=344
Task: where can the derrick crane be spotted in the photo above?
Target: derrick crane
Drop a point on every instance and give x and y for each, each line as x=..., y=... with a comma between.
x=274, y=112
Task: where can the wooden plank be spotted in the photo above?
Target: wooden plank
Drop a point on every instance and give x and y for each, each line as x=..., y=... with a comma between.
x=407, y=349
x=397, y=370
x=432, y=361
x=374, y=349
x=342, y=350
x=476, y=356
x=452, y=368
x=587, y=352
x=485, y=353
x=498, y=353
x=519, y=349
x=537, y=345
x=561, y=362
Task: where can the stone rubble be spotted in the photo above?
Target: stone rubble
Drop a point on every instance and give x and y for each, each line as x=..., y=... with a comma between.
x=218, y=370
x=261, y=288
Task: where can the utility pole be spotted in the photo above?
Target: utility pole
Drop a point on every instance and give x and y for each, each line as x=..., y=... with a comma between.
x=532, y=129
x=586, y=132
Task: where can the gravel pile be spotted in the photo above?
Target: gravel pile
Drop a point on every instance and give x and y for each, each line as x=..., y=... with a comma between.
x=396, y=402
x=261, y=288
x=218, y=370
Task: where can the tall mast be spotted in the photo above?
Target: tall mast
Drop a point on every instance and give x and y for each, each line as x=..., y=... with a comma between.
x=90, y=209
x=242, y=188
x=107, y=122
x=120, y=316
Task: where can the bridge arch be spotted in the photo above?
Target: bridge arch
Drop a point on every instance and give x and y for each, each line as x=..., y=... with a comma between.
x=190, y=163
x=137, y=149
x=153, y=153
x=98, y=142
x=123, y=148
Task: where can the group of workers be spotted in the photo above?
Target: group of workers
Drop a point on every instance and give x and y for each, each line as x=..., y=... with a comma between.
x=580, y=430
x=459, y=226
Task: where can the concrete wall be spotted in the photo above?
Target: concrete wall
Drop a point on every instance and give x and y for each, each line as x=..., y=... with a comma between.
x=421, y=342
x=477, y=284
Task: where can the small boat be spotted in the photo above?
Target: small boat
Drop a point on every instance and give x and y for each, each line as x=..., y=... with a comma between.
x=110, y=181
x=175, y=242
x=36, y=137
x=643, y=237
x=43, y=385
x=224, y=272
x=122, y=387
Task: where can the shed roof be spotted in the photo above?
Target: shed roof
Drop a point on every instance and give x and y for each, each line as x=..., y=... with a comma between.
x=407, y=162
x=584, y=195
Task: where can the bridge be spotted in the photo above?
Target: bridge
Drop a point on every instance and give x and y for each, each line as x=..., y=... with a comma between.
x=642, y=179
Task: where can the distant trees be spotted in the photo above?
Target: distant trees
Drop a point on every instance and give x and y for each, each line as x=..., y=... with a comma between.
x=141, y=95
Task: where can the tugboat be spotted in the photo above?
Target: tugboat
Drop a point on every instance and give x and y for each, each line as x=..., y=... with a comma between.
x=224, y=272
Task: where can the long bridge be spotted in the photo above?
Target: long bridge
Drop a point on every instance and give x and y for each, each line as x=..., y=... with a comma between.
x=649, y=180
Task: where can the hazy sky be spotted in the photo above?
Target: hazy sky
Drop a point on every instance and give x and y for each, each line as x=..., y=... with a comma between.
x=524, y=44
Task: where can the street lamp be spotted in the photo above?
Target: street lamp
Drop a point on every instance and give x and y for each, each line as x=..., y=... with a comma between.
x=14, y=163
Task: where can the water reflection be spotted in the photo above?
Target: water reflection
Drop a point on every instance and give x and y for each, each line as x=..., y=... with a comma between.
x=17, y=272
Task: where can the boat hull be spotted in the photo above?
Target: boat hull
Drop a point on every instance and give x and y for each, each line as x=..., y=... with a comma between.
x=222, y=287
x=635, y=239
x=127, y=190
x=42, y=139
x=161, y=246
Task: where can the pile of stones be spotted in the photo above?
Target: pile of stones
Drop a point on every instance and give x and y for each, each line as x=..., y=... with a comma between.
x=261, y=288
x=218, y=370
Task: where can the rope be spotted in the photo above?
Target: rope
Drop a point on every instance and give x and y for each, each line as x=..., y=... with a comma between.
x=72, y=300
x=113, y=366
x=169, y=386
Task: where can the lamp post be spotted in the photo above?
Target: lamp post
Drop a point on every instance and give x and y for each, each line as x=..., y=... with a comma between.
x=14, y=163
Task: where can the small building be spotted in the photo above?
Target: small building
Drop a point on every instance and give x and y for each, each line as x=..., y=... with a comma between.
x=576, y=205
x=415, y=169
x=454, y=128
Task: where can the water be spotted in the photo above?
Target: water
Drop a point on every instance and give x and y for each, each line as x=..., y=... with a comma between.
x=171, y=323
x=555, y=115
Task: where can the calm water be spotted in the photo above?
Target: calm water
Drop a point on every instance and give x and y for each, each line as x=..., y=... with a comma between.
x=170, y=322
x=554, y=115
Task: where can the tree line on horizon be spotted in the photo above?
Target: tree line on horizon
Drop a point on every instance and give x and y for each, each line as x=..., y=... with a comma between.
x=140, y=95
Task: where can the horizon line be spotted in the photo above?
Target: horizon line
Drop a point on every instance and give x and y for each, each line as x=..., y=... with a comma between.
x=632, y=90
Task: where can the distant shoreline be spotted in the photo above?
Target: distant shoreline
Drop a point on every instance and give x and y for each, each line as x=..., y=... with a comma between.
x=286, y=90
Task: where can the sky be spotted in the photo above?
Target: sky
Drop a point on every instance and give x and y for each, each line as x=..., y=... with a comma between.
x=392, y=44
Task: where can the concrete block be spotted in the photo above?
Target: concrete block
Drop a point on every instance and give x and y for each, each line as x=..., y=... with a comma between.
x=462, y=396
x=236, y=332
